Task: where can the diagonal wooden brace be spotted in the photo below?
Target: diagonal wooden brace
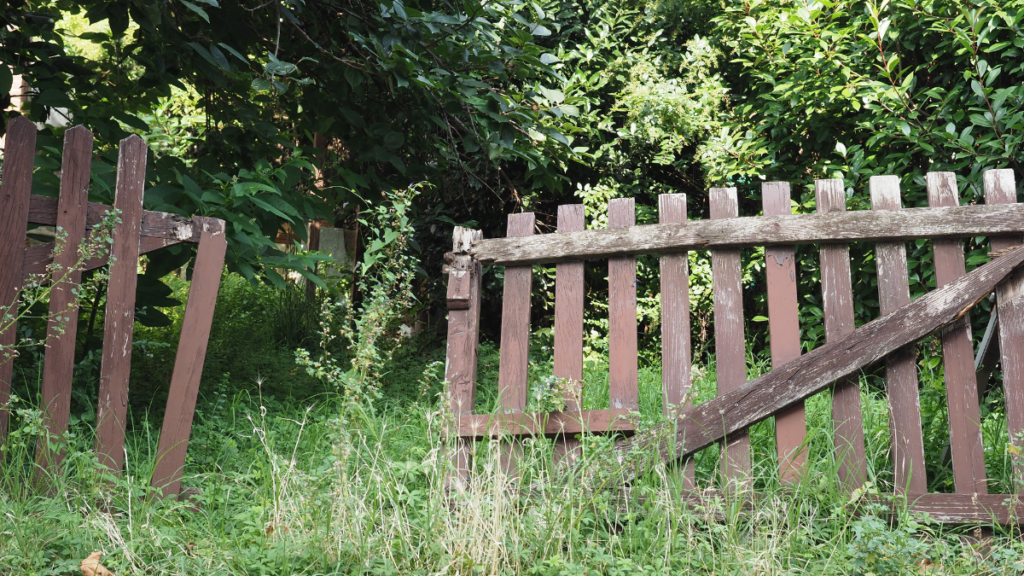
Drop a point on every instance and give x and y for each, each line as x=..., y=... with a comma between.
x=760, y=398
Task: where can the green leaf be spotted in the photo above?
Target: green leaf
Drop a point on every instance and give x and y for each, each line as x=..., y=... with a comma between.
x=539, y=30
x=394, y=140
x=266, y=206
x=555, y=96
x=233, y=52
x=262, y=85
x=760, y=318
x=202, y=13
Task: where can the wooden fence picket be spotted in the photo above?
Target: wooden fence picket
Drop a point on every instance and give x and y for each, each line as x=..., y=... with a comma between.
x=969, y=475
x=188, y=363
x=730, y=346
x=568, y=360
x=62, y=326
x=623, y=385
x=901, y=366
x=675, y=324
x=513, y=373
x=463, y=338
x=15, y=191
x=784, y=329
x=1000, y=188
x=837, y=295
x=119, y=323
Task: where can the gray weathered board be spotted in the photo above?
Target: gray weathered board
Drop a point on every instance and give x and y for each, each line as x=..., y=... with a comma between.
x=861, y=225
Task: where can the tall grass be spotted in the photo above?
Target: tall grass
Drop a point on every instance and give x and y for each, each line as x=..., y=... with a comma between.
x=285, y=490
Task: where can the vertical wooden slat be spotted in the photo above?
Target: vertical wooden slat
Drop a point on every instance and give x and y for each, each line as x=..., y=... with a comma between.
x=730, y=348
x=513, y=374
x=1000, y=188
x=837, y=293
x=969, y=476
x=900, y=367
x=675, y=323
x=188, y=364
x=784, y=328
x=62, y=326
x=120, y=315
x=463, y=338
x=15, y=190
x=569, y=325
x=623, y=386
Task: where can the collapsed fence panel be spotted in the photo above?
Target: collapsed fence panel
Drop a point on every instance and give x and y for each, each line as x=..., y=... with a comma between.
x=135, y=232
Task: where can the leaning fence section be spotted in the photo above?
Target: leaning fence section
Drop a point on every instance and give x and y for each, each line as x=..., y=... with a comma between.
x=887, y=225
x=136, y=232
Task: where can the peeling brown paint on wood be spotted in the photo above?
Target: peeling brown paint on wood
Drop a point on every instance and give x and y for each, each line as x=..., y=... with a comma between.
x=59, y=359
x=43, y=210
x=463, y=339
x=760, y=398
x=784, y=328
x=730, y=346
x=38, y=257
x=675, y=324
x=15, y=192
x=119, y=322
x=736, y=233
x=188, y=364
x=515, y=339
x=962, y=508
x=907, y=442
x=623, y=385
x=552, y=424
x=837, y=297
x=1000, y=188
x=969, y=475
x=568, y=360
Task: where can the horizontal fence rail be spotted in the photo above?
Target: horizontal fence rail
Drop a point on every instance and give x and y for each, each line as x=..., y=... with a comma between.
x=857, y=226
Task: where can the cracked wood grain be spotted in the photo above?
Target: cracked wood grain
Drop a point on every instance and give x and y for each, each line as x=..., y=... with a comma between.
x=861, y=225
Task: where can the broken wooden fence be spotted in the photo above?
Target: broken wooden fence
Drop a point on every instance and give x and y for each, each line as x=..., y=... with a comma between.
x=794, y=377
x=138, y=232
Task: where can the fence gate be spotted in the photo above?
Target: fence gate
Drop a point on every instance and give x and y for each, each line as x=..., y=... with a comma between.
x=794, y=377
x=139, y=231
